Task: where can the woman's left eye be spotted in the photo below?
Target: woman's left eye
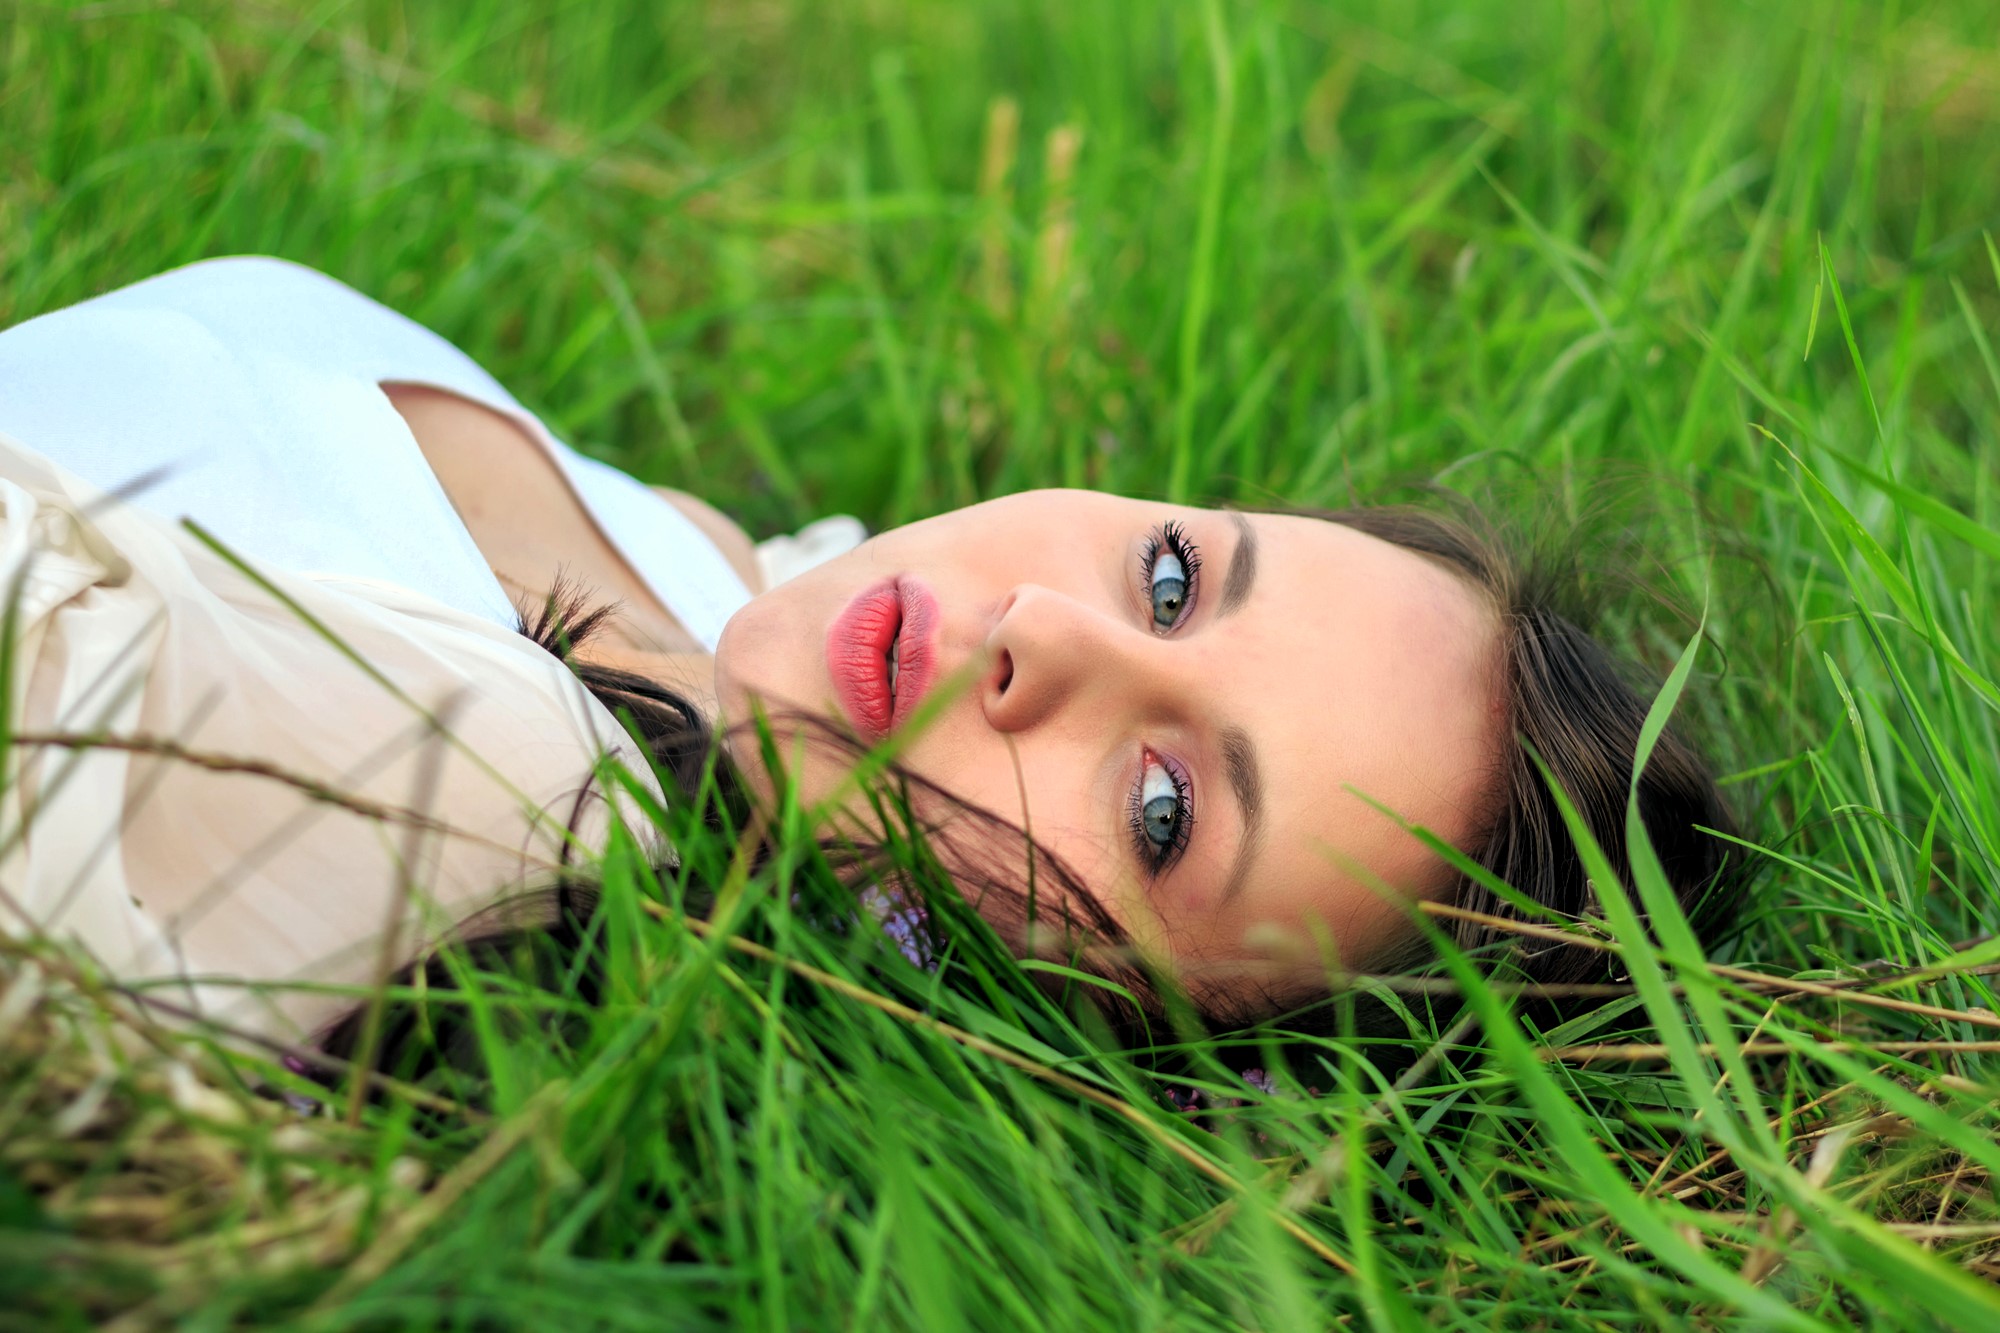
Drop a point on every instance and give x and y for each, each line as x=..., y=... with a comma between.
x=1161, y=814
x=1167, y=576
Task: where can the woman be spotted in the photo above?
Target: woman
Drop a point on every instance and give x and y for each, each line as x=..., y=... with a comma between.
x=1199, y=717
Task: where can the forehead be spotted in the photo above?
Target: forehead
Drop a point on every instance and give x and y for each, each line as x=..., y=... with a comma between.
x=1371, y=667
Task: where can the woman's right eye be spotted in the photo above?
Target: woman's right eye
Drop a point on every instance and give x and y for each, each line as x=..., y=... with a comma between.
x=1167, y=576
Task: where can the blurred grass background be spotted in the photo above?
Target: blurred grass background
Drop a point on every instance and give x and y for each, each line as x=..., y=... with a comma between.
x=886, y=258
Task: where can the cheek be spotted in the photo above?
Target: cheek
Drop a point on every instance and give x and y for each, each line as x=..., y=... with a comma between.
x=980, y=768
x=1062, y=814
x=1307, y=921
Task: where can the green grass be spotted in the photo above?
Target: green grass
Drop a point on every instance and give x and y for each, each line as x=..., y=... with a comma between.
x=888, y=258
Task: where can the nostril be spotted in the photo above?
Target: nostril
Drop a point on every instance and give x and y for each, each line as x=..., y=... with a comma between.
x=1005, y=676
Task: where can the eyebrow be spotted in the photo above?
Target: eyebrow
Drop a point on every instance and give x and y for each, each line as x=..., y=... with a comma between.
x=1242, y=568
x=1239, y=752
x=1246, y=781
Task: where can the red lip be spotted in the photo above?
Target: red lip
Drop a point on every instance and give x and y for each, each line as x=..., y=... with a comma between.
x=899, y=613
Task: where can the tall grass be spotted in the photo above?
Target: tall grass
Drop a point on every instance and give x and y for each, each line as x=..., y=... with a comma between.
x=891, y=257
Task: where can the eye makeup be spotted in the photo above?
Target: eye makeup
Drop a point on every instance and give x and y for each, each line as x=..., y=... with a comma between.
x=1169, y=576
x=1160, y=812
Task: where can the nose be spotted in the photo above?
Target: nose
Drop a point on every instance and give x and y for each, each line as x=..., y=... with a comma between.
x=1052, y=655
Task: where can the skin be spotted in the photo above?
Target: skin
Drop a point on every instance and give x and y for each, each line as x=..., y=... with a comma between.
x=1345, y=665
x=1347, y=662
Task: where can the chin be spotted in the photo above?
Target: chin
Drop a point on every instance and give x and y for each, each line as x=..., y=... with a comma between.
x=730, y=695
x=755, y=659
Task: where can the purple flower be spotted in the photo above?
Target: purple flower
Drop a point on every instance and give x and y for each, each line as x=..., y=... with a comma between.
x=903, y=920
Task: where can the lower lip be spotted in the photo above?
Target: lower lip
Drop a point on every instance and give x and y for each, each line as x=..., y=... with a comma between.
x=899, y=612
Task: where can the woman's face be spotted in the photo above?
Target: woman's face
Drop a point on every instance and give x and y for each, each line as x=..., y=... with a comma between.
x=1176, y=702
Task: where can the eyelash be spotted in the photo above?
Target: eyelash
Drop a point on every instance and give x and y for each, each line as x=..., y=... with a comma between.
x=1159, y=860
x=1171, y=539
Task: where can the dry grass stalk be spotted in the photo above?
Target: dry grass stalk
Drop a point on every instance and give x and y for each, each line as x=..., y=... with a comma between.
x=997, y=154
x=161, y=1175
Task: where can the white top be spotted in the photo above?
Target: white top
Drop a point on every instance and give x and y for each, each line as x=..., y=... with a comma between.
x=282, y=732
x=245, y=393
x=298, y=760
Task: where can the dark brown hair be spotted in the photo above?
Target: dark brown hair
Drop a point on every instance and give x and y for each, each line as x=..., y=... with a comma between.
x=1580, y=708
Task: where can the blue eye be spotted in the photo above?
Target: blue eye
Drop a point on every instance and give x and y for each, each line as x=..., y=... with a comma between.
x=1167, y=576
x=1161, y=815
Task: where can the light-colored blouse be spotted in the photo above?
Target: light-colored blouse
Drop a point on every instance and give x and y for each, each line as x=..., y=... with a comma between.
x=325, y=729
x=245, y=393
x=300, y=759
